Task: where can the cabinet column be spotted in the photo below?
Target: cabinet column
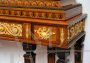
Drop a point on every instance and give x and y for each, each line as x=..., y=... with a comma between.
x=51, y=55
x=62, y=55
x=29, y=57
x=79, y=50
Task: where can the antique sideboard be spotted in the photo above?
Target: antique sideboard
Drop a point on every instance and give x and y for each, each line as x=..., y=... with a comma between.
x=59, y=25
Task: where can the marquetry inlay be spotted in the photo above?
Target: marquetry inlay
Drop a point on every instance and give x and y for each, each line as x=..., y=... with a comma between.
x=27, y=30
x=37, y=3
x=41, y=13
x=75, y=29
x=32, y=14
x=45, y=32
x=12, y=29
x=62, y=35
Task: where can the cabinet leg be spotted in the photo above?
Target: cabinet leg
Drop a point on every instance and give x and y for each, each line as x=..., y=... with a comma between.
x=79, y=50
x=29, y=57
x=62, y=55
x=51, y=55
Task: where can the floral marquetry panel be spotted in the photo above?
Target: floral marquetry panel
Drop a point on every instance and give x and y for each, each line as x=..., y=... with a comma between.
x=45, y=33
x=76, y=29
x=11, y=29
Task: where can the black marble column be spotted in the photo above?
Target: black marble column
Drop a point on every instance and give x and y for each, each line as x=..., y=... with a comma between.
x=29, y=57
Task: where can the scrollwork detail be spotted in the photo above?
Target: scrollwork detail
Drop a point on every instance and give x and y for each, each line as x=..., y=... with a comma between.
x=13, y=29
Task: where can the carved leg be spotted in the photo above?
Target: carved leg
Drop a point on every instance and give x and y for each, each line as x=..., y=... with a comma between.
x=29, y=57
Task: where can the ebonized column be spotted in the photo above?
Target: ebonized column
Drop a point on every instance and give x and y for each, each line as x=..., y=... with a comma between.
x=51, y=55
x=29, y=57
x=79, y=50
x=62, y=55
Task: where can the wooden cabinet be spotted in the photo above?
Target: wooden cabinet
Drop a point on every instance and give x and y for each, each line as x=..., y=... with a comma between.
x=51, y=23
